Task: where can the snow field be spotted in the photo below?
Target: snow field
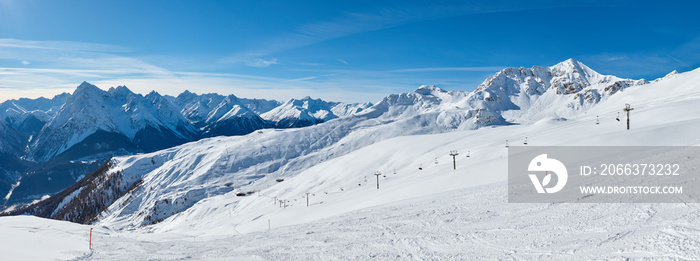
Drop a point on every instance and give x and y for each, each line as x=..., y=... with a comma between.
x=33, y=238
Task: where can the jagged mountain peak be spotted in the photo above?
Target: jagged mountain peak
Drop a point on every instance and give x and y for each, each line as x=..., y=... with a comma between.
x=87, y=88
x=86, y=84
x=186, y=96
x=575, y=69
x=672, y=74
x=306, y=101
x=153, y=94
x=428, y=90
x=570, y=64
x=119, y=89
x=232, y=98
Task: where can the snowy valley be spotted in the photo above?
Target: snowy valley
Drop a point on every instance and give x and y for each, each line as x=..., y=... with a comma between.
x=300, y=183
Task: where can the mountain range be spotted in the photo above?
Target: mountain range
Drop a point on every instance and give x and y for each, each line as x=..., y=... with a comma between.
x=138, y=190
x=49, y=144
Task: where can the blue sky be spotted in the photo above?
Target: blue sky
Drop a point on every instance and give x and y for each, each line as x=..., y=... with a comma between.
x=352, y=51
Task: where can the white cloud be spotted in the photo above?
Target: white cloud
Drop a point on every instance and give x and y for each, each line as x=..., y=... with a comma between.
x=259, y=62
x=303, y=79
x=60, y=45
x=25, y=62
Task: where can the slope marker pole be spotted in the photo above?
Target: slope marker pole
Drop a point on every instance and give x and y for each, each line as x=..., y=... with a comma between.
x=90, y=238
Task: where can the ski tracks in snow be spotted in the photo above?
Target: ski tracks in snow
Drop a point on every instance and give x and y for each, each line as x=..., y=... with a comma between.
x=459, y=225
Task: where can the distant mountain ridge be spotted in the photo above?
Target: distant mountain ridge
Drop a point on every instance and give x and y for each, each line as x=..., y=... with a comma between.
x=60, y=123
x=78, y=131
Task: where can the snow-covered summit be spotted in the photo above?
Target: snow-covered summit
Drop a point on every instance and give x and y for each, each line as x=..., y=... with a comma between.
x=564, y=89
x=671, y=75
x=428, y=90
x=309, y=111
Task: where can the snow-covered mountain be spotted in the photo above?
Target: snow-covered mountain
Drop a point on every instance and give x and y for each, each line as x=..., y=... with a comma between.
x=513, y=95
x=562, y=90
x=75, y=133
x=146, y=121
x=308, y=111
x=160, y=185
x=217, y=115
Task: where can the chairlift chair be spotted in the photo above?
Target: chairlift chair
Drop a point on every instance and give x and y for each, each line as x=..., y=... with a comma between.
x=618, y=116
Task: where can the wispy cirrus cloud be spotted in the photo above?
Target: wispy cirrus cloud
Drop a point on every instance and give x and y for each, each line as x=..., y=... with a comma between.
x=659, y=63
x=451, y=69
x=391, y=15
x=260, y=63
x=60, y=45
x=57, y=70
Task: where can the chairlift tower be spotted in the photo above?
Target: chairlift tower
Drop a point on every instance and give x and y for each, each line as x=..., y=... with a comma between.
x=307, y=198
x=377, y=173
x=627, y=109
x=454, y=154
